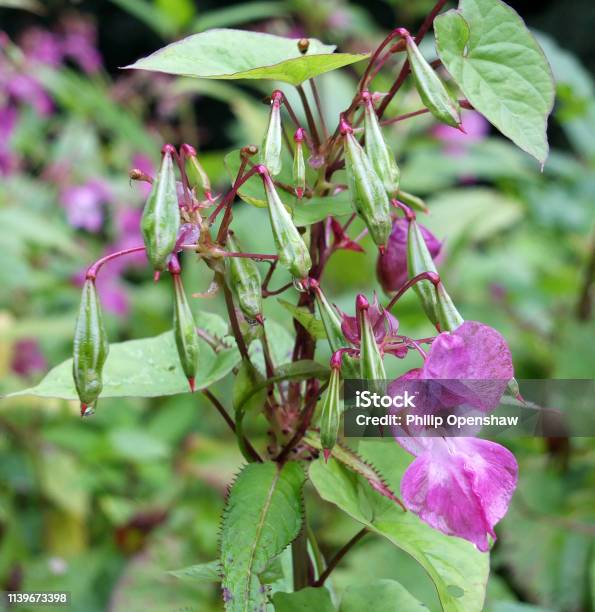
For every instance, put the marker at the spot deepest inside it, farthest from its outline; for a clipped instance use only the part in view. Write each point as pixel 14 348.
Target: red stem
pixel 429 276
pixel 423 30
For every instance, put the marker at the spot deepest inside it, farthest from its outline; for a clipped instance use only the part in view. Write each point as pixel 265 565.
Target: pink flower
pixel 78 43
pixel 383 323
pixel 391 268
pixel 455 141
pixel 84 203
pixel 385 327
pixel 42 46
pixel 28 358
pixel 460 486
pixel 25 88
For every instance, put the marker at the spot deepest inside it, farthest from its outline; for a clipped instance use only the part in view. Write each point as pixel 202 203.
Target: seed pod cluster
pixel 367 190
pixel 291 248
pixel 91 348
pixel 244 281
pixel 161 216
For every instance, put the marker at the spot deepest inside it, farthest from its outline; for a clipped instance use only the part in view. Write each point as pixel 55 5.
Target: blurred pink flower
pixel 28 358
pixel 25 88
pixel 42 46
pixel 110 288
pixel 83 204
pixel 127 222
pixel 455 141
pixel 8 119
pixel 79 43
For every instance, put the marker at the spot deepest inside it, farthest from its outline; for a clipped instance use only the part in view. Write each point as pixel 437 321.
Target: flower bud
pixel 243 279
pixel 330 416
pixel 299 166
pixel 413 201
pixel 369 197
pixel 391 267
pixel 449 317
pixel 332 328
pixel 381 157
pixel 91 347
pixel 371 366
pixel 291 248
pixel 419 259
pixel 432 91
pixel 271 146
pixel 197 176
pixel 161 216
pixel 184 328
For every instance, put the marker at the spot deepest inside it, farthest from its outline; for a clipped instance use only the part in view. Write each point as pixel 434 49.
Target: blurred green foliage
pixel 106 506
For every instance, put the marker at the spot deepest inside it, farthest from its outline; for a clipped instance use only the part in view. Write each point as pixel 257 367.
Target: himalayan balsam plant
pixel 313 180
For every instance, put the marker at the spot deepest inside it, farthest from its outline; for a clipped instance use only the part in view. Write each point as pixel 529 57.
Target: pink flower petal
pixel 460 486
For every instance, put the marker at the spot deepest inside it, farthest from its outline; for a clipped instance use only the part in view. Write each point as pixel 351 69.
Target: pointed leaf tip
pixel 326 453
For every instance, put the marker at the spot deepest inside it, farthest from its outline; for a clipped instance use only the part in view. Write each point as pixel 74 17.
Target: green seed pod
pixel 291 248
pixel 371 366
pixel 420 260
pixel 161 216
pixel 332 327
pixel 91 347
pixel 369 196
pixel 243 279
pixel 299 166
pixel 414 202
pixel 184 328
pixel 383 161
pixel 197 176
pixel 431 90
pixel 271 146
pixel 330 416
pixel 449 317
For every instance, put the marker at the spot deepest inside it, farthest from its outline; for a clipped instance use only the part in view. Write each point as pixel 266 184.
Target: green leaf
pixel 239 54
pixel 456 567
pixel 263 515
pixel 305 212
pixel 500 68
pixel 203 572
pixel 142 368
pixel 308 320
pixel 306 600
pixel 62 481
pixel 150 14
pixel 239 13
pixel 380 596
pixel 477 213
